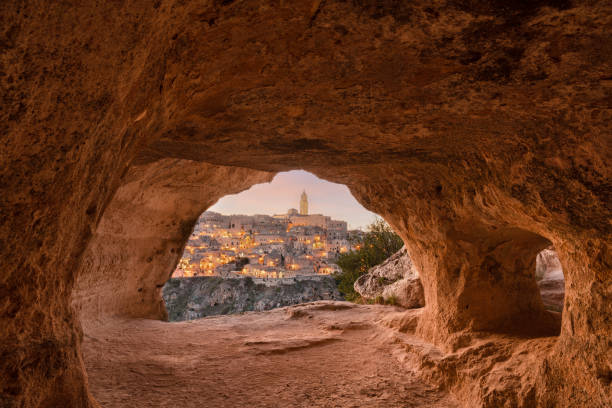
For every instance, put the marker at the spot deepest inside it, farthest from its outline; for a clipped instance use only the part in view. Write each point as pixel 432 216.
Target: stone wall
pixel 142 234
pixel 478 129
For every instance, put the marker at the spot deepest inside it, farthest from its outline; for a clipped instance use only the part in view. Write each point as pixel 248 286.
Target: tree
pixel 378 244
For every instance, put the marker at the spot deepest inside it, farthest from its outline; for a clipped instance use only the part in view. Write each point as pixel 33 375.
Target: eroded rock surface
pixel 322 354
pixel 478 129
pixel 193 298
pixel 477 373
pixel 395 280
pixel 142 234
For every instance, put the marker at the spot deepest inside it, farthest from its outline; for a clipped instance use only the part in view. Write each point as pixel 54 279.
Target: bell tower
pixel 304 204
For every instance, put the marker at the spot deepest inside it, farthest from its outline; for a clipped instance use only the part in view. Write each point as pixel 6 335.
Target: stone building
pixel 304 203
pixel 296 242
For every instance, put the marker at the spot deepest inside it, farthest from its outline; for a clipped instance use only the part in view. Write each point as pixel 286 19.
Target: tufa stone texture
pixel 142 234
pixel 480 130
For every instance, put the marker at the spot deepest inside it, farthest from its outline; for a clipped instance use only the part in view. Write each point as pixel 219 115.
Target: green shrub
pixel 378 244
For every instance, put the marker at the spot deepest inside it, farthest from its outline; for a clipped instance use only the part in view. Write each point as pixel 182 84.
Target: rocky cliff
pixel 192 298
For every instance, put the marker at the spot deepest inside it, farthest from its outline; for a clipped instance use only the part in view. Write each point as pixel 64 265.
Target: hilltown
pixel 263 246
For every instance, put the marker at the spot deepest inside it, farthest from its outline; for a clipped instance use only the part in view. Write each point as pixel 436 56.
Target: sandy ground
pixel 323 354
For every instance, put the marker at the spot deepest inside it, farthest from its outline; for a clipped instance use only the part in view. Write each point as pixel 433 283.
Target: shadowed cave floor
pixel 322 354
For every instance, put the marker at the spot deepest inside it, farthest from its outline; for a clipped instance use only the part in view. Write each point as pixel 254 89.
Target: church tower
pixel 304 204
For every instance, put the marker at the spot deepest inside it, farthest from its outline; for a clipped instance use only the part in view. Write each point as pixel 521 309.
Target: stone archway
pixel 448 119
pixel 143 231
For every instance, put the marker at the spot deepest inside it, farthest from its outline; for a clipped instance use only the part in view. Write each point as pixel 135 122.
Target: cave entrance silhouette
pixel 470 126
pixel 153 214
pixel 487 269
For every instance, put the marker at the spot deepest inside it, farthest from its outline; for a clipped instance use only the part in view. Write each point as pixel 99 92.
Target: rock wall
pixel 193 298
pixel 478 129
pixel 142 234
pixel 394 280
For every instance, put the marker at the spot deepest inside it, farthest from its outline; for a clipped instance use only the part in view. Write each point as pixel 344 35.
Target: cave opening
pixel 123 122
pixel 487 269
pixel 551 280
pixel 255 250
pixel 496 273
pixel 123 313
pixel 155 216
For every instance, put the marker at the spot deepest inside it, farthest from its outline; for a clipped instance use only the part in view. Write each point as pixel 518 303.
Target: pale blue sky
pixel 283 192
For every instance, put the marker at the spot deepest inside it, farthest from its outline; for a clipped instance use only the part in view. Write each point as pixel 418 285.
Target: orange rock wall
pixel 143 232
pixel 479 130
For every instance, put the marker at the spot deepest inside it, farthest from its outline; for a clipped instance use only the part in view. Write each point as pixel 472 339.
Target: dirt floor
pixel 322 354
